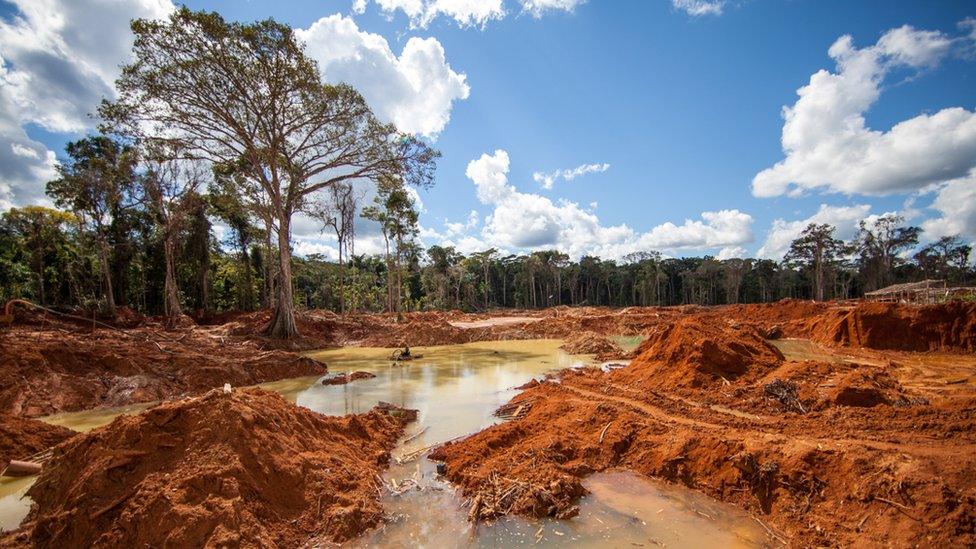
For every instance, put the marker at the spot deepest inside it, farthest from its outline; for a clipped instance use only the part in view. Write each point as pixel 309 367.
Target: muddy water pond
pixel 456 389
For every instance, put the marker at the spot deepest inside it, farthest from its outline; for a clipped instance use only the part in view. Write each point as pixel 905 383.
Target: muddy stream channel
pixel 456 389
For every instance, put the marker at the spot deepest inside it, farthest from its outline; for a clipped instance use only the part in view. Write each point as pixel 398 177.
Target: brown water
pixel 456 389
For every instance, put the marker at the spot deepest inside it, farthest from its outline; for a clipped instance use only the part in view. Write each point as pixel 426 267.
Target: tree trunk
pixel 282 324
pixel 389 275
pixel 247 296
pixel 342 285
pixel 818 277
pixel 107 275
pixel 171 297
pixel 268 297
pixel 39 268
pixel 399 277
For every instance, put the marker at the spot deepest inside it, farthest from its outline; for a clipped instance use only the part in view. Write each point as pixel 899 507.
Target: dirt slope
pixel 947 326
pixel 589 343
pixel 63 368
pixel 245 469
pixel 21 437
pixel 825 453
pixel 698 351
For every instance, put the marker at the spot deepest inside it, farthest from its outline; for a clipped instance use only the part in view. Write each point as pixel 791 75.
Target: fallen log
pixel 17 468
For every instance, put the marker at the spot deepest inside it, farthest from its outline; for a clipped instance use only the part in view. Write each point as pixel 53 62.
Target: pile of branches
pixel 500 495
pixel 785 393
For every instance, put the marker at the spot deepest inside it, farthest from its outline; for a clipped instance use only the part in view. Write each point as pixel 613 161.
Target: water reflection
pixel 13 505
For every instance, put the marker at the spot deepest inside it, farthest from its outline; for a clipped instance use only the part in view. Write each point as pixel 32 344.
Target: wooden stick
pixel 904 510
pixel 415 435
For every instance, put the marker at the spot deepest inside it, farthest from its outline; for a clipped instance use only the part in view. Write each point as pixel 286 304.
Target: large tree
pixel 815 249
pixel 881 243
pixel 946 258
pixel 170 183
pixel 393 208
pixel 96 182
pixel 236 92
pixel 337 208
pixel 42 231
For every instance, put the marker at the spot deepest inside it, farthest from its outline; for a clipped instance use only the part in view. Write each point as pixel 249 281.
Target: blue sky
pixel 685 109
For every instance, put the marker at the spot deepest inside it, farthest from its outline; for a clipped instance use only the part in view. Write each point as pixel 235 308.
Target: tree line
pixel 55 257
pixel 227 122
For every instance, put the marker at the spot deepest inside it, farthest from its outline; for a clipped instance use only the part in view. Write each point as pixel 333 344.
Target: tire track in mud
pixel 663 416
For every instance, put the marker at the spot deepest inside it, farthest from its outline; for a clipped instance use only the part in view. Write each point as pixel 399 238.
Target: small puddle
pixel 456 389
pixel 628 342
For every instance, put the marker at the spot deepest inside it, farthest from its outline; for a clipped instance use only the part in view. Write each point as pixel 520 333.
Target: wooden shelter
pixel 925 291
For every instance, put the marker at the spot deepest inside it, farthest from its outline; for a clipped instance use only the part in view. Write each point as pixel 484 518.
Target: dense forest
pixel 52 257
pixel 229 123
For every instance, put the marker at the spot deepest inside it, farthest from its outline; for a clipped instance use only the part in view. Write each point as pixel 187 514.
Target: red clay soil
pixel 699 351
pixel 61 367
pixel 589 343
pixel 21 437
pixel 246 469
pixel 415 329
pixel 947 326
pixel 866 463
pixel 826 479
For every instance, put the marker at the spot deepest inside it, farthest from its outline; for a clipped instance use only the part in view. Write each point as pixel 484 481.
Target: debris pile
pixel 785 393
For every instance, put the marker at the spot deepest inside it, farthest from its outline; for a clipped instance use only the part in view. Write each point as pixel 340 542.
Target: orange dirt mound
pixel 21 437
pixel 947 326
pixel 866 387
pixel 845 476
pixel 695 351
pixel 50 371
pixel 588 343
pixel 220 470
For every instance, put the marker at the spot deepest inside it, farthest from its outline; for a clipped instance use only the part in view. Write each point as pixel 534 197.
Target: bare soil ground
pixel 22 437
pixel 245 469
pixel 833 424
pixel 52 366
pixel 859 446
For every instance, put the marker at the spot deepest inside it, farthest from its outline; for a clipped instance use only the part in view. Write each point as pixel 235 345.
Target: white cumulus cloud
pixel 57 61
pixel 467 13
pixel 829 147
pixel 548 179
pixel 529 221
pixel 783 232
pixel 956 204
pixel 415 90
pixel 538 8
pixel 731 252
